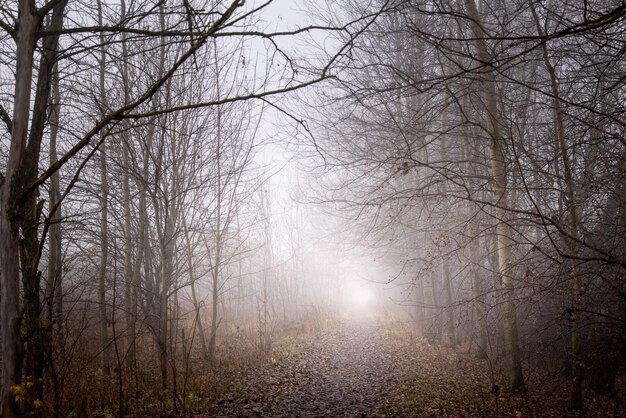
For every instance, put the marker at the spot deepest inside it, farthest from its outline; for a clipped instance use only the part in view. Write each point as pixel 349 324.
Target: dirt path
pixel 345 372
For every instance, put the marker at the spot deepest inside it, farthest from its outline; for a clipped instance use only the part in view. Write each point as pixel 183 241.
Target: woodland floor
pixel 364 368
pixel 347 371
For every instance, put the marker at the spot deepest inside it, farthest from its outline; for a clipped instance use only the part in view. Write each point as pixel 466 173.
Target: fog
pixel 195 190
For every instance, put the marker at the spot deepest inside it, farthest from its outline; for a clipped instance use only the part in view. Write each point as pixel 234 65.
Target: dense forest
pixel 190 187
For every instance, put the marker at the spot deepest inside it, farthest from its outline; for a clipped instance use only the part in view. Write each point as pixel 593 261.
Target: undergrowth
pixel 449 382
pixel 198 384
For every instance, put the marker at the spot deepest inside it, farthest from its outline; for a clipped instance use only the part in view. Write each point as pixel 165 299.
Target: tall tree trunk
pixel 215 271
pixel 141 253
pixel 30 214
pixel 20 211
pixel 105 355
pixel 169 219
pixel 10 194
pixel 54 289
pixel 214 317
pixel 165 273
pixel 576 397
pixel 498 171
pixel 144 254
pixel 130 285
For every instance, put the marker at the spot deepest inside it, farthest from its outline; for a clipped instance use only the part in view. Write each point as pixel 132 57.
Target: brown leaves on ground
pixel 449 382
pixel 368 369
pixel 346 371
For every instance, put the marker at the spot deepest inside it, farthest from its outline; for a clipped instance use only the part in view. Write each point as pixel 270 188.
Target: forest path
pixel 347 371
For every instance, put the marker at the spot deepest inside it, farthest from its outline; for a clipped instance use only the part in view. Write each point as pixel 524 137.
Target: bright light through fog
pixel 359 296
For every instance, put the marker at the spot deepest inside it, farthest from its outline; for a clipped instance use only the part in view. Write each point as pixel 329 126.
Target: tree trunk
pixel 105 355
pixel 477 292
pixel 200 325
pixel 194 297
pixel 166 273
pixel 214 319
pixel 54 289
pixel 436 333
pixel 498 171
pixel 450 338
pixel 105 359
pixel 10 193
pixel 30 214
pixel 20 210
pixel 215 271
pixel 130 285
pixel 576 397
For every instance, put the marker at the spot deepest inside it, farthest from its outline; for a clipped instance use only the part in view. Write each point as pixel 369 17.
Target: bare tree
pixel 499 173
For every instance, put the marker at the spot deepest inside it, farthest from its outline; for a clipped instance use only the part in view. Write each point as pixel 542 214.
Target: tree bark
pixel 30 214
pixel 10 193
pixel 54 289
pixel 130 285
pixel 219 228
pixel 20 212
pixel 477 292
pixel 105 355
pixel 498 171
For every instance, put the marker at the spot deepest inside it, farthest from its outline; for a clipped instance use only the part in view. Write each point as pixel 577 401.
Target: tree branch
pixel 4 115
pixel 121 112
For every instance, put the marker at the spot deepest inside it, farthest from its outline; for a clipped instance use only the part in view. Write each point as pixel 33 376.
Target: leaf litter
pixel 346 371
pixel 367 368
